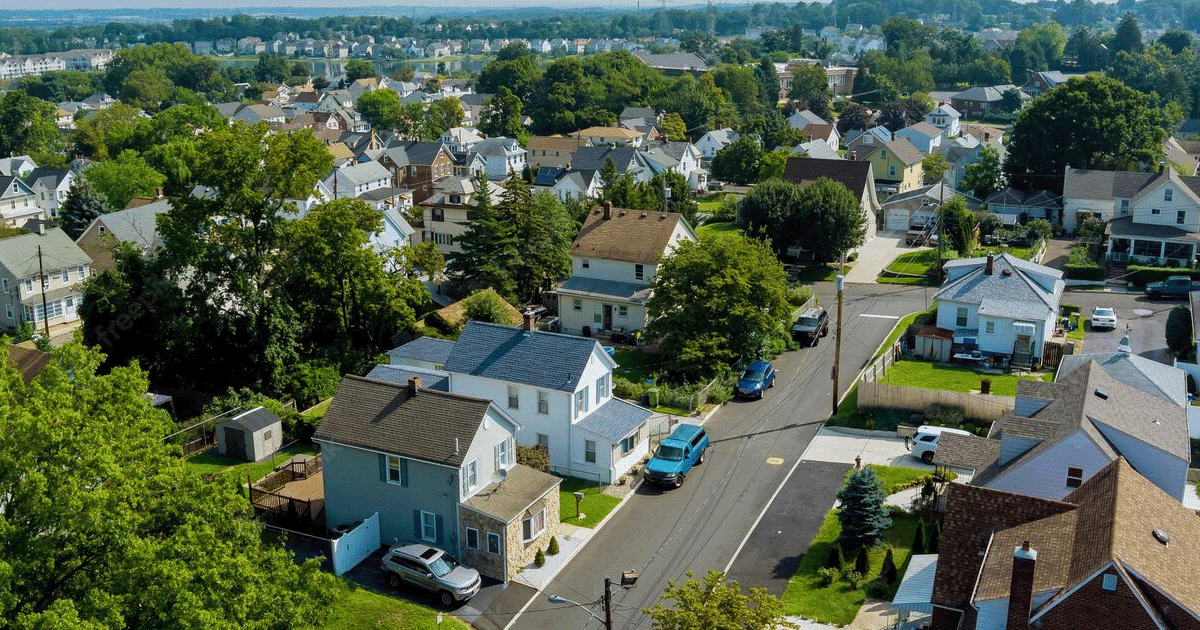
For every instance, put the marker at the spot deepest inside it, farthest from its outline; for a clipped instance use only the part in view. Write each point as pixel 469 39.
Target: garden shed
pixel 251 436
pixel 934 343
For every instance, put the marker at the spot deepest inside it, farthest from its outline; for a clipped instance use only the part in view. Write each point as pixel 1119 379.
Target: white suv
pixel 430 569
pixel 926 441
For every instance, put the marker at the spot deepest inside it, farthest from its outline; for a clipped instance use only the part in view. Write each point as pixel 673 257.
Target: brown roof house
pixel 28 361
pixel 553 151
pixel 613 261
pixel 439 468
pixel 1102 408
pixel 856 175
pixel 1114 553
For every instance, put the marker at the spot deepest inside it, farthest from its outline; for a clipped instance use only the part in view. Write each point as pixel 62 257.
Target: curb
pixel 860 432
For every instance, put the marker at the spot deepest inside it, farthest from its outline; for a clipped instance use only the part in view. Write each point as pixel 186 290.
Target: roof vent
pixel 1162 537
pixel 1006 272
pixel 1101 394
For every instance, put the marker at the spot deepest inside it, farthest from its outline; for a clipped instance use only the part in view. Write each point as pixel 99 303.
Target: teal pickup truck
pixel 676 455
pixel 1172 287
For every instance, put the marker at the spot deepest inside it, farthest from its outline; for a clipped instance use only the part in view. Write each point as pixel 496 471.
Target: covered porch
pixel 1132 243
pixel 913 600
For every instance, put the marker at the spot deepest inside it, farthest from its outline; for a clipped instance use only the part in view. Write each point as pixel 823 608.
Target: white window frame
pixel 990 327
pixel 598 314
pixel 4 284
pixel 961 317
pixel 581 401
pixel 514 397
pixel 533 526
pixel 472 530
pixel 393 466
pixel 66 274
pixel 629 443
pixel 543 440
pixel 543 402
pixel 471 476
pixel 1168 193
pixel 1180 217
pixel 428 520
pixel 623 311
pixel 8 312
pixel 29 284
pixel 493 540
pixel 502 454
pixel 601 388
pixel 589 451
pixel 577 304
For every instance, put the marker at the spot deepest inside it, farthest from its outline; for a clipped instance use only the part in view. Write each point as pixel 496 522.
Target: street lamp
pixel 555 599
pixel 607 618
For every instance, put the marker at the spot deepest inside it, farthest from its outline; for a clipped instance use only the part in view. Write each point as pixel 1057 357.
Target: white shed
pixel 252 435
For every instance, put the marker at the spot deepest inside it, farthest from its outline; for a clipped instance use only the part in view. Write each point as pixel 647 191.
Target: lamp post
pixel 606 619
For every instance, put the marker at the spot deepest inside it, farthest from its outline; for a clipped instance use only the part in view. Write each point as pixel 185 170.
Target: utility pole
pixel 607 604
pixel 45 311
pixel 837 339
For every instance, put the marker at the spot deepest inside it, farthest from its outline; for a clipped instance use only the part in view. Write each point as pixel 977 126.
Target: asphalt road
pixel 665 533
pixel 1147 320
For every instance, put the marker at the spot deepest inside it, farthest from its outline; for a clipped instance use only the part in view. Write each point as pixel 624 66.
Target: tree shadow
pixel 785 568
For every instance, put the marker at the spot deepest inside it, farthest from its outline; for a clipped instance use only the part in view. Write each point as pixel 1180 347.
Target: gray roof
pixel 988 94
pixel 1125 226
pixel 924 129
pixel 592 158
pixel 429 349
pixel 509 499
pixel 818 149
pixel 423 153
pixel 1105 185
pixel 595 287
pixel 615 419
pixel 723 136
pixel 674 61
pixel 19 254
pixel 1152 377
pixel 638 112
pixel 254 420
pixel 135 225
pixel 432 426
pixel 541 359
pixel 364 172
pixel 1016 295
pixel 497 146
pixel 933 193
pixel 808 117
pixel 48 177
pixel 399 374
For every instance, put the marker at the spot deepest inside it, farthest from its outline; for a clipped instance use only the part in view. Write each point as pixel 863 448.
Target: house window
pixel 1155 211
pixel 1180 217
pixel 470 477
pixel 1110 582
pixel 1178 251
pixel 29 285
pixel 628 444
pixel 601 388
pixel 66 271
pixel 581 400
pixel 437 214
pixel 598 314
pixel 1124 206
pixel 1149 249
pixel 503 454
pixel 533 525
pixel 990 327
pixel 891 170
pixel 472 538
pixel 543 441
pixel 494 543
pixel 587 264
pixel 577 304
pixel 1074 477
pixel 589 451
pixel 396 468
pixel 961 319
pixel 543 402
pixel 513 398
pixel 622 311
pixel 883 153
pixel 639 272
pixel 8 312
pixel 429 526
pixel 266 434
pixel 4 284
pixel 1168 193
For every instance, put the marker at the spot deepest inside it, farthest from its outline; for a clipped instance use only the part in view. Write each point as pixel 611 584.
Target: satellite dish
pixel 499 475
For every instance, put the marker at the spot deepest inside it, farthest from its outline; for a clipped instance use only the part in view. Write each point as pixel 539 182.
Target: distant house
pixel 1015 206
pixel 924 136
pixel 18 202
pixel 674 64
pixel 424 352
pixel 553 151
pixel 919 206
pixel 34 290
pixel 445 211
pixel 856 175
pixel 714 141
pixel 416 165
pixel 51 187
pixel 501 157
pixel 824 132
pixel 816 149
pixel 977 102
pixel 254 114
pixel 860 143
pixel 28 361
pixel 614 136
pixel 626 159
pixel 137 225
pixel 352 181
pixel 898 167
pixel 1040 82
pixel 460 139
pixel 803 118
pixel 614 259
pixel 946 118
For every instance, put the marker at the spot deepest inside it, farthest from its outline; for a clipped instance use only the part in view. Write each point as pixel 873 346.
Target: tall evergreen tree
pixel 863 516
pixel 768 78
pixel 489 247
pixel 1127 37
pixel 918 546
pixel 83 204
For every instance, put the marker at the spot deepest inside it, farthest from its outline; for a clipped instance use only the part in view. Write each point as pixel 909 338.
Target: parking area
pixel 842 446
pixel 876 255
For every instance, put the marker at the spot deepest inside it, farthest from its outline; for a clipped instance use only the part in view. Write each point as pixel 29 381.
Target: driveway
pixel 1147 320
pixel 876 255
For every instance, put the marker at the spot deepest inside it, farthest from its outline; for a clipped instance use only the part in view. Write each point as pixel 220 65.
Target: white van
pixel 926 440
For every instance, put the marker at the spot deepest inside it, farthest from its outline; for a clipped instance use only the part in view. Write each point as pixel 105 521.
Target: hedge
pixel 1084 272
pixel 1141 275
pixel 1069 309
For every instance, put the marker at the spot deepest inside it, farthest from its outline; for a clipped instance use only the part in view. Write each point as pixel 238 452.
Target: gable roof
pixel 609 132
pixel 19 254
pixel 456 314
pixel 364 172
pixel 399 374
pixel 430 349
pixel 673 61
pixel 903 149
pixel 923 128
pixel 29 361
pixel 385 418
pixel 817 149
pixel 635 236
pixel 1081 183
pixel 137 224
pixel 592 158
pixel 541 359
pixel 254 420
pixel 1157 379
pixel 946 109
pixel 1011 290
pixel 554 143
pixel 853 174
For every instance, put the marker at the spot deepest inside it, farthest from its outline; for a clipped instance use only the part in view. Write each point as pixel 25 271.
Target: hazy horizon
pixel 452 5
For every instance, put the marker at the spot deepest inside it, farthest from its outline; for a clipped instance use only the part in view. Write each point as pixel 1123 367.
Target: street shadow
pixel 793 425
pixel 785 568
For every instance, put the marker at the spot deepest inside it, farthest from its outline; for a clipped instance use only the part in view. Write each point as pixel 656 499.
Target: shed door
pixel 235 444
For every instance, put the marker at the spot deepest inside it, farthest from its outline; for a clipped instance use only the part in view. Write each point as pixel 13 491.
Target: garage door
pixel 896 219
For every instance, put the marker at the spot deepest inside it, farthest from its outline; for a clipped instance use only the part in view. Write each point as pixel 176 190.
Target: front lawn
pixel 897 478
pixel 357 608
pixel 209 462
pixel 910 280
pixel 838 604
pixel 927 375
pixel 914 263
pixel 816 273
pixel 595 505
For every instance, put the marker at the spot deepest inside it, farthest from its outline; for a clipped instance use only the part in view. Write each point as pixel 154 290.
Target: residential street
pixel 1147 319
pixel 663 534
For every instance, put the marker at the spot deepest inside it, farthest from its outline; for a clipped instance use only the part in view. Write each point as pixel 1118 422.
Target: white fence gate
pixel 355 545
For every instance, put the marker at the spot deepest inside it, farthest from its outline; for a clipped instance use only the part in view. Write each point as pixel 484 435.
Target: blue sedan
pixel 756 379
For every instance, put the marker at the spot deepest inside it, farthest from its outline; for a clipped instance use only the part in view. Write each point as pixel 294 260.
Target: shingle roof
pixel 600 288
pixel 399 374
pixel 364 172
pixel 638 112
pixel 818 149
pixel 1125 226
pixel 608 132
pixel 615 419
pixel 904 150
pixel 254 420
pixel 136 224
pixel 592 158
pixel 1015 295
pixel 385 418
pixel 1152 377
pixel 853 174
pixel 509 499
pixel 966 451
pixel 1103 185
pixel 19 254
pixel 629 235
pixel 554 143
pixel 541 359
pixel 674 61
pixel 29 361
pixel 429 349
pixel 924 129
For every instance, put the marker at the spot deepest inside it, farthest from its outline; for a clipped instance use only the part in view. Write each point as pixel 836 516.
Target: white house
pixel 18 202
pixel 445 211
pixel 33 292
pixel 501 156
pixel 352 181
pixel 613 261
pixel 460 139
pixel 1000 305
pixel 714 141
pixel 946 118
pixel 926 137
pixel 51 187
pixel 559 389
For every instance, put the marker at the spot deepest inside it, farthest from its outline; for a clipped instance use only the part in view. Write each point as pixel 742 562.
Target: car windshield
pixel 443 565
pixel 753 375
pixel 1104 312
pixel 808 321
pixel 669 453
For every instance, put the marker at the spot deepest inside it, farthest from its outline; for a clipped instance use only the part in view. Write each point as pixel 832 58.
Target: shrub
pixel 918 546
pixel 887 572
pixel 1140 275
pixel 944 415
pixel 1069 309
pixel 835 557
pixel 486 306
pixel 798 294
pixel 1092 271
pixel 862 564
pixel 1179 329
pixel 552 548
pixel 853 578
pixel 535 457
pixel 540 559
pixel 852 257
pixel 627 389
pixel 826 576
pixel 935 532
pixel 877 589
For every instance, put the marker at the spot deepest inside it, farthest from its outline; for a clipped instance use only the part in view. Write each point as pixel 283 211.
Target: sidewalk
pixel 833 444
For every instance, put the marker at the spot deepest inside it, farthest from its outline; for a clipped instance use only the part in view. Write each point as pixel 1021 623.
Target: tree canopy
pixel 714 602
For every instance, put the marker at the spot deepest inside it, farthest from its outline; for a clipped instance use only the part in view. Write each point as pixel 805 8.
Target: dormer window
pixel 1168 193
pixel 1124 206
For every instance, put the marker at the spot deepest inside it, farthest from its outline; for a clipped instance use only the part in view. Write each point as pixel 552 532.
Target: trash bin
pixel 985 386
pixel 587 331
pixel 652 397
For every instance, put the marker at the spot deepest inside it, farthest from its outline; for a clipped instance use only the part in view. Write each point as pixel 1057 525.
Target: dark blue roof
pixel 548 176
pixel 429 349
pixel 615 419
pixel 430 379
pixel 541 359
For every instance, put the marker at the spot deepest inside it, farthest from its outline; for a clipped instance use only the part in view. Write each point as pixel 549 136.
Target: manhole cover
pixel 1143 312
pixel 775 461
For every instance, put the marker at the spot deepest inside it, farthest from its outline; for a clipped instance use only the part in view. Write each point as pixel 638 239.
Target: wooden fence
pixel 290 471
pixel 292 511
pixel 872 395
pixel 876 370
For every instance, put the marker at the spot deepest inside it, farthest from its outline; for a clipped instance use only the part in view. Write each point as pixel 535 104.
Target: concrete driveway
pixel 876 255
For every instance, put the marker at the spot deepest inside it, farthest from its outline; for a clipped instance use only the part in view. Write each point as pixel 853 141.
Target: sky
pixel 260 5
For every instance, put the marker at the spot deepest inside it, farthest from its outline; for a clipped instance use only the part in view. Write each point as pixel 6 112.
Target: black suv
pixel 811 325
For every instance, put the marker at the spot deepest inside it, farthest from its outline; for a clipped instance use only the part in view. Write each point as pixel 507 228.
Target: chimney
pixel 987 137
pixel 158 193
pixel 991 265
pixel 854 156
pixel 1162 165
pixel 529 319
pixel 1020 591
pixel 607 210
pixel 414 383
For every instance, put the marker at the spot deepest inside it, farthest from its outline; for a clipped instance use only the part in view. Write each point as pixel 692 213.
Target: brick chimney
pixel 1020 591
pixel 854 156
pixel 414 383
pixel 607 210
pixel 991 265
pixel 529 319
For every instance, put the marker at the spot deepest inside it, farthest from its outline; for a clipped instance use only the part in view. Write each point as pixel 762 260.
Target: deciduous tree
pixel 124 178
pixel 739 162
pixel 832 218
pixel 984 177
pixel 27 125
pixel 501 115
pixel 714 602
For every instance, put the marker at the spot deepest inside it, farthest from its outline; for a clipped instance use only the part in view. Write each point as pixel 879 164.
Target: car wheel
pixel 927 457
pixel 1155 295
pixel 825 331
pixel 700 460
pixel 816 340
pixel 445 599
pixel 394 580
pixel 678 481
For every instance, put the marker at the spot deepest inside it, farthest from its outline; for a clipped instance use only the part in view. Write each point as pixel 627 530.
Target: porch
pixel 1132 243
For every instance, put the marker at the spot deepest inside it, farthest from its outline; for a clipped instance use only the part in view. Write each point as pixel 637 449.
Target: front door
pixel 608 317
pixel 1024 344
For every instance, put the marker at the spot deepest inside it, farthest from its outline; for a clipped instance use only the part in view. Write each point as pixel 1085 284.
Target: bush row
pixel 1141 275
pixel 1084 272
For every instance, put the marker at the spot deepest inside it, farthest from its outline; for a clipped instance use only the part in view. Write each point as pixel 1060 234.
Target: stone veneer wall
pixel 521 554
pixel 489 564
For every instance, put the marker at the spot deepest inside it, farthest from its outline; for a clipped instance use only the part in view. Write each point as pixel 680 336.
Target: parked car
pixel 755 380
pixel 1104 317
pixel 925 442
pixel 811 325
pixel 1172 287
pixel 676 455
pixel 432 570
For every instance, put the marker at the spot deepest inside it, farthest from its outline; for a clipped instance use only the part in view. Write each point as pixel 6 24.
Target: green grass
pixel 710 203
pixel 1082 324
pixel 318 412
pixel 838 604
pixel 817 273
pixel 915 263
pixel 904 280
pixel 850 402
pixel 636 365
pixel 356 608
pixel 723 229
pixel 595 505
pixel 902 325
pixel 210 463
pixel 896 478
pixel 926 375
pixel 671 411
